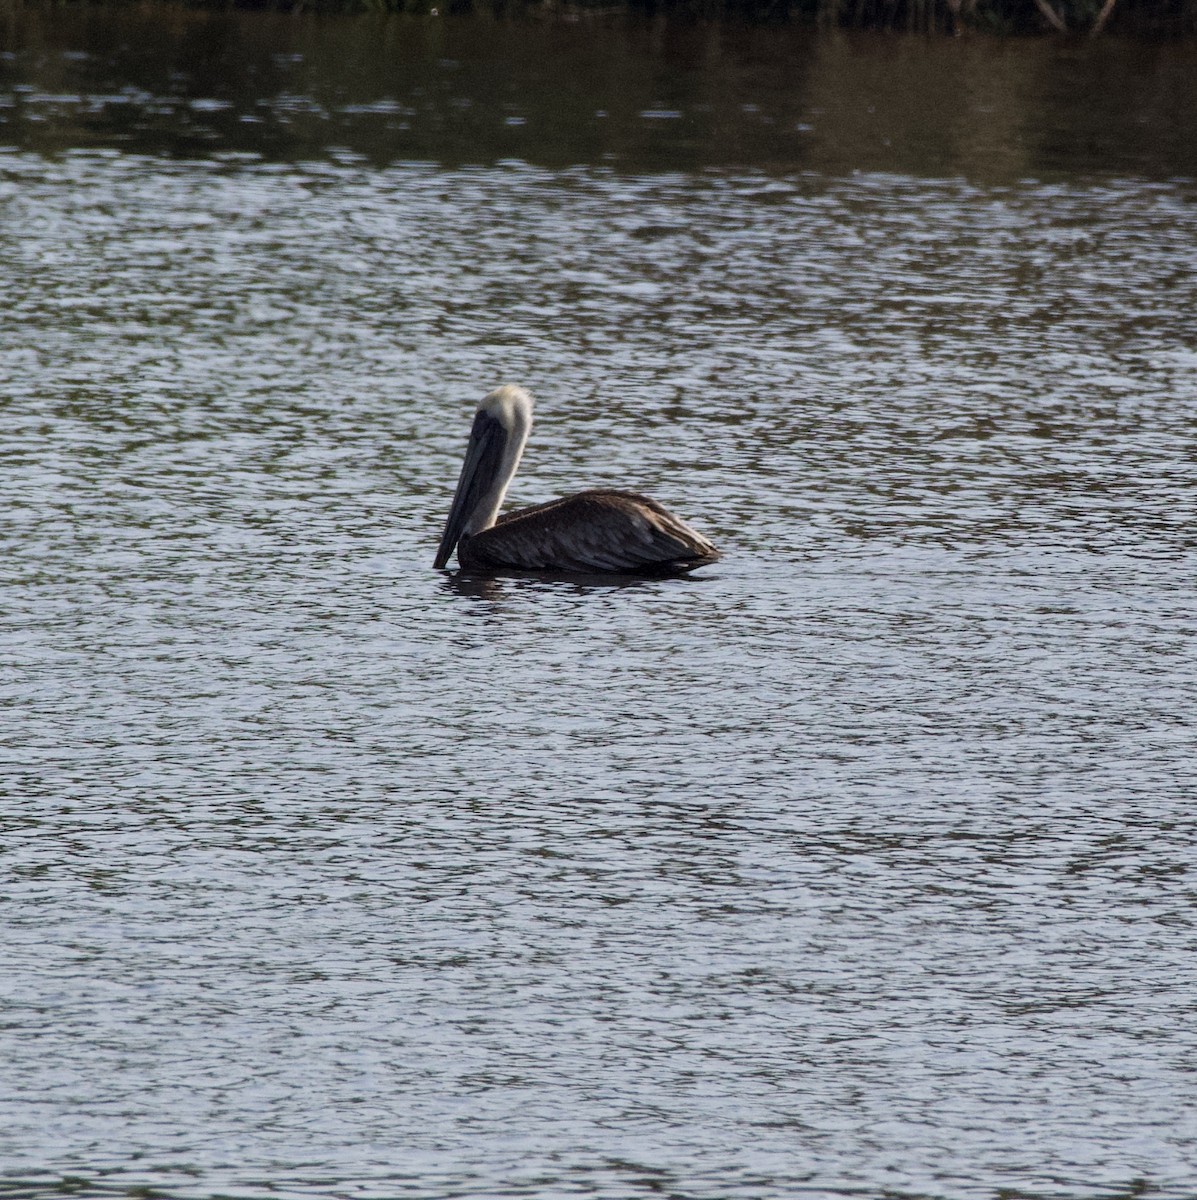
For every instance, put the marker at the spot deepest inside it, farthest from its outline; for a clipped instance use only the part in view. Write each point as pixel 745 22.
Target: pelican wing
pixel 594 531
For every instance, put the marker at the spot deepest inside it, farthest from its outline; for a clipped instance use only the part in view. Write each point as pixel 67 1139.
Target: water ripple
pixel 862 864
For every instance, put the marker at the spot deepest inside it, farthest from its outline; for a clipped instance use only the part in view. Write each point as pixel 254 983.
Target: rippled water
pixel 859 864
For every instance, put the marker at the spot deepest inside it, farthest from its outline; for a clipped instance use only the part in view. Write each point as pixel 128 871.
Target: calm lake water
pixel 860 864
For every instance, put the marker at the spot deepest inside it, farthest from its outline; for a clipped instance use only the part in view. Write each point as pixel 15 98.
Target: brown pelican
pixel 601 530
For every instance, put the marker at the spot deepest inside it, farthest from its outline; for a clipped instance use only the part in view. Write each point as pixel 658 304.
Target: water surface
pixel 860 863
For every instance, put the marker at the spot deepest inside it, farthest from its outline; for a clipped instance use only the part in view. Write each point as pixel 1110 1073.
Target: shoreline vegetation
pixel 1060 18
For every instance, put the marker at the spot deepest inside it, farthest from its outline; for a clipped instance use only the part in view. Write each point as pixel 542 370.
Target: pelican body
pixel 601 531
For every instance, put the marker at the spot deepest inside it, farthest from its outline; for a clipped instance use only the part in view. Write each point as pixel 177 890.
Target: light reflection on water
pixel 860 861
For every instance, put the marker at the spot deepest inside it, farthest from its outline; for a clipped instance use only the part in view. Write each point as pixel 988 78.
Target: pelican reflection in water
pixel 596 531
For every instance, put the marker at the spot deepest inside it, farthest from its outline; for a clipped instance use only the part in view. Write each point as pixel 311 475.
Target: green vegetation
pixel 1067 17
pixel 1070 18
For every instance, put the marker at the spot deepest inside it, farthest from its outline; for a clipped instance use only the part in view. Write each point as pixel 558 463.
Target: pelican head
pixel 501 427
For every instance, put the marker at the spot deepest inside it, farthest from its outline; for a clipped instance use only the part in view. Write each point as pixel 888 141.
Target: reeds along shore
pixel 1069 18
pixel 1079 18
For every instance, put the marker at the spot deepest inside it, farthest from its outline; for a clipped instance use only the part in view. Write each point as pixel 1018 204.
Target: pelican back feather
pixel 602 530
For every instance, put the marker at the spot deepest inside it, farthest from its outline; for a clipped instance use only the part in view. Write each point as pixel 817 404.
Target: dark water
pixel 860 865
